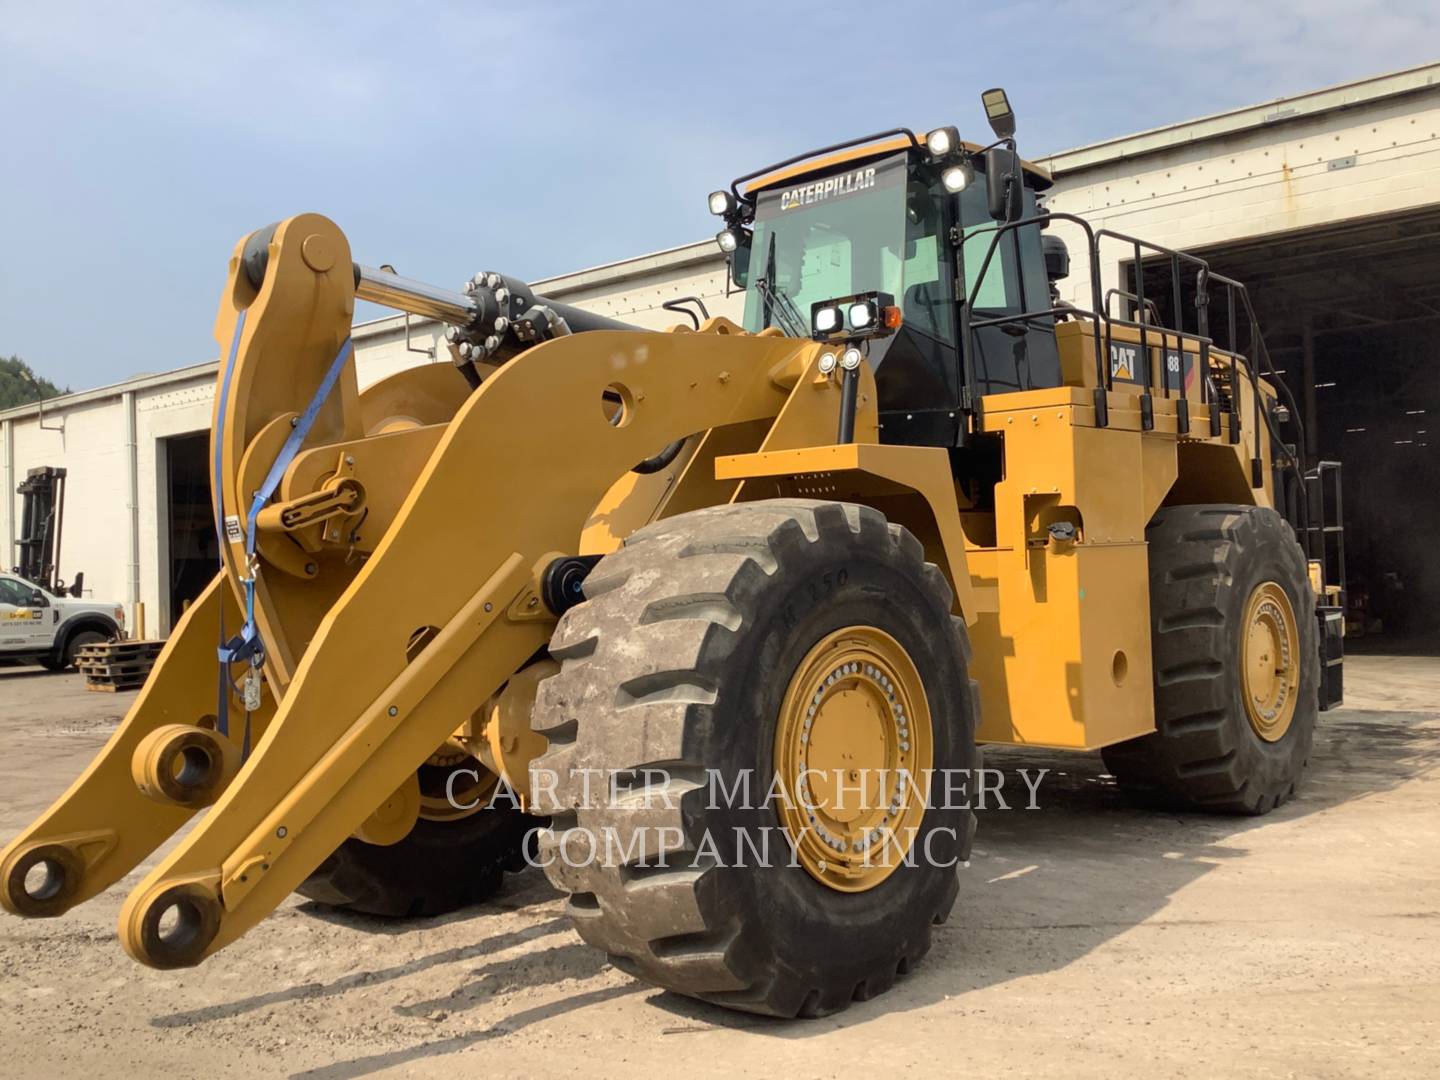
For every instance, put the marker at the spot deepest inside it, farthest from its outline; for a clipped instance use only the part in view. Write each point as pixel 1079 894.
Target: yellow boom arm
pixel 396 580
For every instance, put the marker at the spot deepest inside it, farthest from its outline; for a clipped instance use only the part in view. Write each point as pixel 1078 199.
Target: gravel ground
pixel 1090 939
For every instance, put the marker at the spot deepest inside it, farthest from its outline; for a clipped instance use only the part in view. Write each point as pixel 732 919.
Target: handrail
pixel 1241 365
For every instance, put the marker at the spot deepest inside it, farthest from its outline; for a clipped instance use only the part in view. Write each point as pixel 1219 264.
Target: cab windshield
pixel 826 237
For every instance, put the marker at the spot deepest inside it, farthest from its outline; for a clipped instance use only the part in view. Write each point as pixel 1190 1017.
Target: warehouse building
pixel 1326 204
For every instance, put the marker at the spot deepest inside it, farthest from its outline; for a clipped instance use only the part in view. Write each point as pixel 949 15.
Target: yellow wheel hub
pixel 853 750
pixel 471 795
pixel 1270 661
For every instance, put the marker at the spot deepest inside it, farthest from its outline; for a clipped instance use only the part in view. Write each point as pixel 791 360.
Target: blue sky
pixel 142 140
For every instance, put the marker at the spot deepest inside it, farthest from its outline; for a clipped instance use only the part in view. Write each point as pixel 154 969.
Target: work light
pixel 957 178
pixel 826 363
pixel 850 358
pixel 826 319
pixel 722 203
pixel 728 240
pixel 998 112
pixel 849 318
pixel 942 142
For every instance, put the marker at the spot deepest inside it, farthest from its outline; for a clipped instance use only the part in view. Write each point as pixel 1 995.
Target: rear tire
pixel 439 867
pixel 1208 567
pixel 679 662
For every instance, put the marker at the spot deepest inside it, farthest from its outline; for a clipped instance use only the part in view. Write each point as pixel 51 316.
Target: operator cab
pixel 900 219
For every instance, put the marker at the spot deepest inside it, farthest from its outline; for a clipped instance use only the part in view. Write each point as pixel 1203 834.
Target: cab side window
pixel 1000 290
pixel 12 592
pixel 927 303
pixel 1022 354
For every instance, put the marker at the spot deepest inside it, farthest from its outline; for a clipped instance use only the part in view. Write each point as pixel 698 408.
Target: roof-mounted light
pixel 998 112
pixel 942 142
pixel 722 203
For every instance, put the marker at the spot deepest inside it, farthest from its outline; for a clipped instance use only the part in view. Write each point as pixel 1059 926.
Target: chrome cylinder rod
pixel 416 297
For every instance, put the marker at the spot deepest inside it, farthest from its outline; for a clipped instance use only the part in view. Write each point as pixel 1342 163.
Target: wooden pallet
pixel 117 665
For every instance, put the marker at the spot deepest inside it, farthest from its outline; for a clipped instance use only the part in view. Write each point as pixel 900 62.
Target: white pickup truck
pixel 38 626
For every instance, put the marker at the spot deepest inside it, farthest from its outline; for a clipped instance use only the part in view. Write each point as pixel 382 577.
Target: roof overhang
pixel 1252 117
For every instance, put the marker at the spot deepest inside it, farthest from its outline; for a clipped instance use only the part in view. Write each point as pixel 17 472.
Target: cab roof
pixel 1039 177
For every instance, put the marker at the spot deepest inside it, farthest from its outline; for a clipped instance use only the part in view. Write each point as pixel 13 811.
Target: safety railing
pixel 1144 318
pixel 1325 536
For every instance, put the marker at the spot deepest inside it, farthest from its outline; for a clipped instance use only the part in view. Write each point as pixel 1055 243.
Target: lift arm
pixel 463 518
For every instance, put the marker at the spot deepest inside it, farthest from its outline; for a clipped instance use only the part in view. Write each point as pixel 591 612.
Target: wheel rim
pixel 1270 661
pixel 853 750
pixel 472 794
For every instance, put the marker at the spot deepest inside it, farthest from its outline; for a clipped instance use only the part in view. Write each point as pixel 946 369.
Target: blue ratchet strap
pixel 222 708
pixel 247 645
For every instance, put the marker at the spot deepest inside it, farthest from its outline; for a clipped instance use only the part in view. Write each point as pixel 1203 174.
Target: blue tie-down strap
pixel 298 433
pixel 247 644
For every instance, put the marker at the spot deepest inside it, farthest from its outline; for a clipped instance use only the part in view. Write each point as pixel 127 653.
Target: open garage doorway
pixel 188 555
pixel 1351 315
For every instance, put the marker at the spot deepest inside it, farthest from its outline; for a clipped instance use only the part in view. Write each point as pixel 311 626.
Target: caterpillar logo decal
pixel 1125 367
pixel 820 190
pixel 1124 362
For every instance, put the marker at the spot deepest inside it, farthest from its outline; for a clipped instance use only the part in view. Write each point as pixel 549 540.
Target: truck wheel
pixel 448 861
pixel 800 646
pixel 1237 664
pixel 65 659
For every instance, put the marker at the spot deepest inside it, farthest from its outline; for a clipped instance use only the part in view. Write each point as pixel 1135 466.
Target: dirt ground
pixel 1090 939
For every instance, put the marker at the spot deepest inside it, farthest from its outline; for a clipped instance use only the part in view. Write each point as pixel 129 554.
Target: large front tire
pixel 678 673
pixel 1237 664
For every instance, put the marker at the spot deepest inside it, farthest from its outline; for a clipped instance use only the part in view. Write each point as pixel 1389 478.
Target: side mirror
pixel 740 261
pixel 1057 257
pixel 38 599
pixel 1004 187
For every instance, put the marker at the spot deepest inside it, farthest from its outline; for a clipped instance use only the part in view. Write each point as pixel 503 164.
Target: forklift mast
pixel 42 518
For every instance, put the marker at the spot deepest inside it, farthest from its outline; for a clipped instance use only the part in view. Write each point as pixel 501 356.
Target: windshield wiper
pixel 782 308
pixel 776 302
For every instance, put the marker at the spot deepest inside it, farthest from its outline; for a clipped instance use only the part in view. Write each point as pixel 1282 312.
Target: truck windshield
pixel 823 238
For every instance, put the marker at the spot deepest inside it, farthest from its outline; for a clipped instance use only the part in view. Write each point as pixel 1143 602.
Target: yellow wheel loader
pixel 710 622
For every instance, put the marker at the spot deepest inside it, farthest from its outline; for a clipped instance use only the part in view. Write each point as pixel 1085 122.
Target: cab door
pixel 1020 355
pixel 24 625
